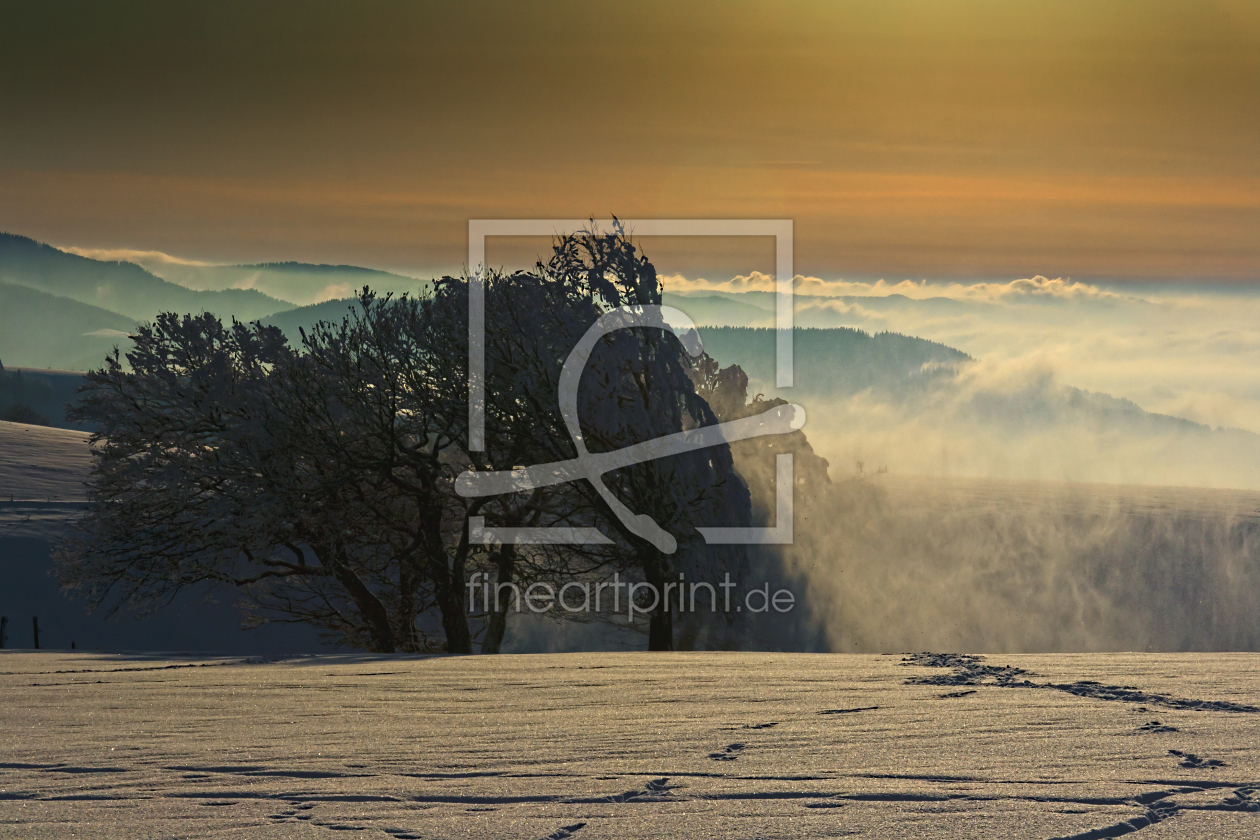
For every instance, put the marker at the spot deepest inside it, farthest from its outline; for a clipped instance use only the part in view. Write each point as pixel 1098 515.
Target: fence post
pixel 35 626
pixel 4 625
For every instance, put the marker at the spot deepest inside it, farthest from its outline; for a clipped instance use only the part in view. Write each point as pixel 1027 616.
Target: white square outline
pixel 784 321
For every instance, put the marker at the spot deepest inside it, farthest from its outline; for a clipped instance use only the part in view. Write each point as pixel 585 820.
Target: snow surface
pixel 43 470
pixel 42 474
pixel 40 463
pixel 630 745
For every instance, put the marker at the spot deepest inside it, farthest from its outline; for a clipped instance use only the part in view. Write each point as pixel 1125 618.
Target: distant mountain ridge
pixel 315 268
pixel 888 361
pixel 301 284
pixel 41 330
pixel 121 287
pixel 292 321
pixel 715 307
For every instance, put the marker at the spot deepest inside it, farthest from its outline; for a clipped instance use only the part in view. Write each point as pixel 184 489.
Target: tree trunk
pixel 661 624
pixel 661 630
pixel 450 600
pixel 408 584
pixel 496 627
pixel 370 607
pixel 448 583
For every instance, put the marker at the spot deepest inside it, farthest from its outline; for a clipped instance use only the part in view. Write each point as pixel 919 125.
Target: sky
pixel 1100 141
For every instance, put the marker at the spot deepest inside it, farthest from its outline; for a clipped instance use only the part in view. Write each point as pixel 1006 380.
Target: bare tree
pixel 195 480
pixel 319 481
pixel 637 387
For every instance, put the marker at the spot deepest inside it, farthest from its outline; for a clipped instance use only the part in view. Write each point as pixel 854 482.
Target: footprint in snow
pixel 1194 762
pixel 729 753
pixel 565 832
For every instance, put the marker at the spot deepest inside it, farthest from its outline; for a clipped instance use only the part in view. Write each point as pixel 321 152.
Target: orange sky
pixel 906 139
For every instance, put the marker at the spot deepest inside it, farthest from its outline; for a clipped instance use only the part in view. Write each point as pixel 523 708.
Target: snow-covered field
pixel 42 471
pixel 39 463
pixel 630 745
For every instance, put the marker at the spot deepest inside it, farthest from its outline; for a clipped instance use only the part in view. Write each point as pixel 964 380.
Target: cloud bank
pixel 756 281
pixel 1178 350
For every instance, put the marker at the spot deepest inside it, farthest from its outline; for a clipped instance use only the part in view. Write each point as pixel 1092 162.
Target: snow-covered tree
pixel 635 388
pixel 319 480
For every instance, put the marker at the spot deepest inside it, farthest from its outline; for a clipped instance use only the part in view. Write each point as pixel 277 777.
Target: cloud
pixel 144 258
pixel 336 291
pixel 1177 350
pixel 1033 287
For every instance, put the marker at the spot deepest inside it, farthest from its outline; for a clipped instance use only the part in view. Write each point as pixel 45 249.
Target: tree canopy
pixel 318 479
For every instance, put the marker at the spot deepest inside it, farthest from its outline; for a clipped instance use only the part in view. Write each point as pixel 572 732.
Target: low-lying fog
pixel 1032 402
pixel 999 524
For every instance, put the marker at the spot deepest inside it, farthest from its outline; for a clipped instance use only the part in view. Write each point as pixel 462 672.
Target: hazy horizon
pixel 1179 349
